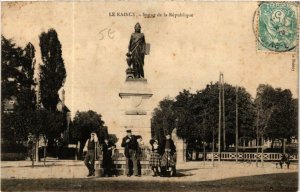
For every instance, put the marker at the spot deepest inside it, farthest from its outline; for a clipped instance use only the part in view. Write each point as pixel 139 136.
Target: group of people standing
pixel 92 149
pixel 162 158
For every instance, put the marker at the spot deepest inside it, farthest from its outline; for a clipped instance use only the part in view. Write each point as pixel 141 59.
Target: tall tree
pixel 16 126
pixel 196 115
pixel 17 69
pixel 245 107
pixel 10 63
pixel 184 117
pixel 246 114
pixel 50 124
pixel 27 96
pixel 294 130
pixel 163 120
pixel 277 113
pixel 53 72
pixel 85 122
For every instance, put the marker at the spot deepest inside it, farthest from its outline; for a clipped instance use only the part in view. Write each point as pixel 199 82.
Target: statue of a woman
pixel 136 52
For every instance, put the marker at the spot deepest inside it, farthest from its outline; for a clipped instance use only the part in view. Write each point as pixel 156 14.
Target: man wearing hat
pixel 91 149
pixel 131 146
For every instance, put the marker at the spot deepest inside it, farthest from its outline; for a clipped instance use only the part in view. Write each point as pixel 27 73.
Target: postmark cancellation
pixel 277 26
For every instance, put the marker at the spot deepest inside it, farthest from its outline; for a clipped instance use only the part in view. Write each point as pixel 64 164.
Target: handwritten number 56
pixel 106 32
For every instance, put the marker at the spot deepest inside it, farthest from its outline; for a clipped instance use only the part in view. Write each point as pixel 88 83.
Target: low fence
pixel 230 156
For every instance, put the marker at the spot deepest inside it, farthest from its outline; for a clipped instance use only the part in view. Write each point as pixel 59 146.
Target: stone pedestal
pixel 135 114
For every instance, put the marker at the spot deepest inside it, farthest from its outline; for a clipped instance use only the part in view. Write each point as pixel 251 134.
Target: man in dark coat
pixel 107 149
pixel 131 146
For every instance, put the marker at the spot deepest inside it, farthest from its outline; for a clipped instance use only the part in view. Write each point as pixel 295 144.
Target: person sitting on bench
pixel 285 158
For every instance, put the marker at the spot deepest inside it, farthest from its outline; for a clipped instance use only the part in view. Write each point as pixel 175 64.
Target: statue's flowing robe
pixel 137 46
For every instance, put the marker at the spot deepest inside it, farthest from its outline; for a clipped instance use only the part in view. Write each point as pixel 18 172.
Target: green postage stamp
pixel 277 26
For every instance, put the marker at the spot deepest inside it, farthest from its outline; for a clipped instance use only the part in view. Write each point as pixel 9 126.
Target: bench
pixel 119 167
pixel 119 163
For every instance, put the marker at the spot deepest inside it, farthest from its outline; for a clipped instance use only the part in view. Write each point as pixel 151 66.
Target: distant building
pixel 61 106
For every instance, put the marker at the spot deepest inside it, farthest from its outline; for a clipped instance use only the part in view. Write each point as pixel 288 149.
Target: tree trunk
pixel 257 137
pixel 213 148
pixel 272 144
pixel 37 151
pixel 223 114
pixel 283 145
pixel 32 155
pixel 219 128
pixel 45 144
pixel 44 155
pixel 262 151
pixel 236 126
pixel 204 153
pixel 256 161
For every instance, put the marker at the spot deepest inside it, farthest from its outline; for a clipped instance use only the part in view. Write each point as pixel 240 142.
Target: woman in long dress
pixel 168 160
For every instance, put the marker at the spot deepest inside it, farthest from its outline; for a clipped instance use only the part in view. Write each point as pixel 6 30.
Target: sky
pixel 185 53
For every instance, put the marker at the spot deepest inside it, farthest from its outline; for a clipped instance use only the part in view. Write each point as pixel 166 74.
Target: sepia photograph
pixel 149 96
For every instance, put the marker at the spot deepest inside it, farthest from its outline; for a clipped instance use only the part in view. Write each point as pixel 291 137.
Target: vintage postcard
pixel 149 96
